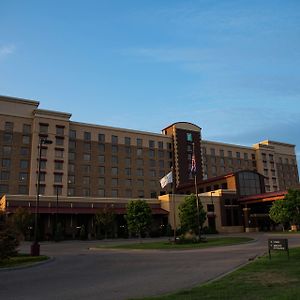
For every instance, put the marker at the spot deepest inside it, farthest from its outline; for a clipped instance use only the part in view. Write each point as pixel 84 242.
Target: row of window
pixel 114 139
pixel 9 127
pixel 222 161
pixel 229 153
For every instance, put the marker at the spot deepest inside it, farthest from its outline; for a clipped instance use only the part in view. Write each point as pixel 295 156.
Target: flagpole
pixel 197 197
pixel 174 206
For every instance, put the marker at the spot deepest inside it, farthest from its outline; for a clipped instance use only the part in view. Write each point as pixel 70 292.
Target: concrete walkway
pixel 79 273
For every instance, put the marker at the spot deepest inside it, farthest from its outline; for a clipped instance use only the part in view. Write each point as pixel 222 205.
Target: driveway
pixel 79 273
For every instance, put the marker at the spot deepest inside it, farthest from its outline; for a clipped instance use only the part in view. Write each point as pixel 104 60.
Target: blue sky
pixel 231 67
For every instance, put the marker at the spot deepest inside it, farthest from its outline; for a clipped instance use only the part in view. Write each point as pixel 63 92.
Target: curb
pixel 36 264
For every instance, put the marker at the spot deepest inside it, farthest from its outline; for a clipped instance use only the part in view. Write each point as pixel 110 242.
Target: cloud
pixel 6 50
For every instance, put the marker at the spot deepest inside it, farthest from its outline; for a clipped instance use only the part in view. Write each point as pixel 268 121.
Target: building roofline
pixel 228 144
pixel 276 143
pixel 182 122
pixel 19 100
pixel 52 113
pixel 120 129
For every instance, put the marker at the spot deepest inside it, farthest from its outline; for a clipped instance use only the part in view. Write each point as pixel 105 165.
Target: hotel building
pixel 92 164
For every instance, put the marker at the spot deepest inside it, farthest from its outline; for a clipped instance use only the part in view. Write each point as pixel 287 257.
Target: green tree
pixel 105 219
pixel 188 214
pixel 279 212
pixel 9 238
pixel 287 210
pixel 138 217
pixel 22 220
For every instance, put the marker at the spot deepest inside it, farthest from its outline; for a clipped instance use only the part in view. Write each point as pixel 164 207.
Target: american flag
pixel 193 167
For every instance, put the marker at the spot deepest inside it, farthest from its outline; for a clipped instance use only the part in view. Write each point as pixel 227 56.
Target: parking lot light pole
pixel 35 247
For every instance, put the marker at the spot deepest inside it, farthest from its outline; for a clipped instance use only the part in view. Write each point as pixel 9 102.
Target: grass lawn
pixel 21 260
pixel 278 278
pixel 211 242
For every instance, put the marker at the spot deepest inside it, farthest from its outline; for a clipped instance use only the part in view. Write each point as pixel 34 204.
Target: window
pixel 140 182
pixel 152 163
pixel 59 153
pixel 151 153
pixel 101 159
pixel 101 137
pixel 246 156
pixel 151 144
pixel 127 182
pixel 139 142
pixel 139 151
pixel 86 169
pixel 71 191
pixel 212 151
pixel 72 134
pixel 23 189
pixel 161 154
pixel 58 177
pixel 273 173
pixel 7 138
pixel 71 168
pixel 6 150
pixel 271 157
pixel 87 147
pixel 72 155
pixel 58 165
pixel 222 162
pixel 86 156
pixel 127 141
pixel 9 126
pixel 72 144
pixel 23 164
pixel 101 148
pixel 169 145
pixel 114 193
pixel 114 160
pixel 152 173
pixel 43 164
pixel 161 164
pixel 101 181
pixel 140 172
pixel 127 171
pixel 86 192
pixel 221 152
pixel 127 162
pixel 26 139
pixel 24 151
pixel 189 148
pixel 86 180
pixel 114 139
pixel 60 130
pixel 264 156
pixel 71 179
pixel 42 190
pixel 101 192
pixel 238 154
pixel 44 128
pixel 59 141
pixel 229 153
pixel 128 150
pixel 3 188
pixel 139 162
pixel 26 128
pixel 4 175
pixel 101 170
pixel 87 136
pixel 114 182
pixel 114 149
pixel 114 171
pixel 160 145
pixel 44 152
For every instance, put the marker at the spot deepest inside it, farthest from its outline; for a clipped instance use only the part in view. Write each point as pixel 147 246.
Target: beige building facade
pixel 88 160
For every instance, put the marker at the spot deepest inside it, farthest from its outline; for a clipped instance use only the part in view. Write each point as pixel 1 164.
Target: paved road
pixel 79 273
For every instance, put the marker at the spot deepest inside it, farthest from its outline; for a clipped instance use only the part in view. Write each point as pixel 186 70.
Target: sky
pixel 230 67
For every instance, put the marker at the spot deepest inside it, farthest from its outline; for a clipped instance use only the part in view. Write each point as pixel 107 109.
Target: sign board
pixel 278 244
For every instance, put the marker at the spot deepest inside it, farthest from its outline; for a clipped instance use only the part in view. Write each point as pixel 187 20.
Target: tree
pixel 22 220
pixel 279 212
pixel 9 238
pixel 138 217
pixel 105 219
pixel 287 210
pixel 188 214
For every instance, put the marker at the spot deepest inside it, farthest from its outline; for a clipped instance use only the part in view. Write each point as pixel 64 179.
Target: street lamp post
pixel 35 247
